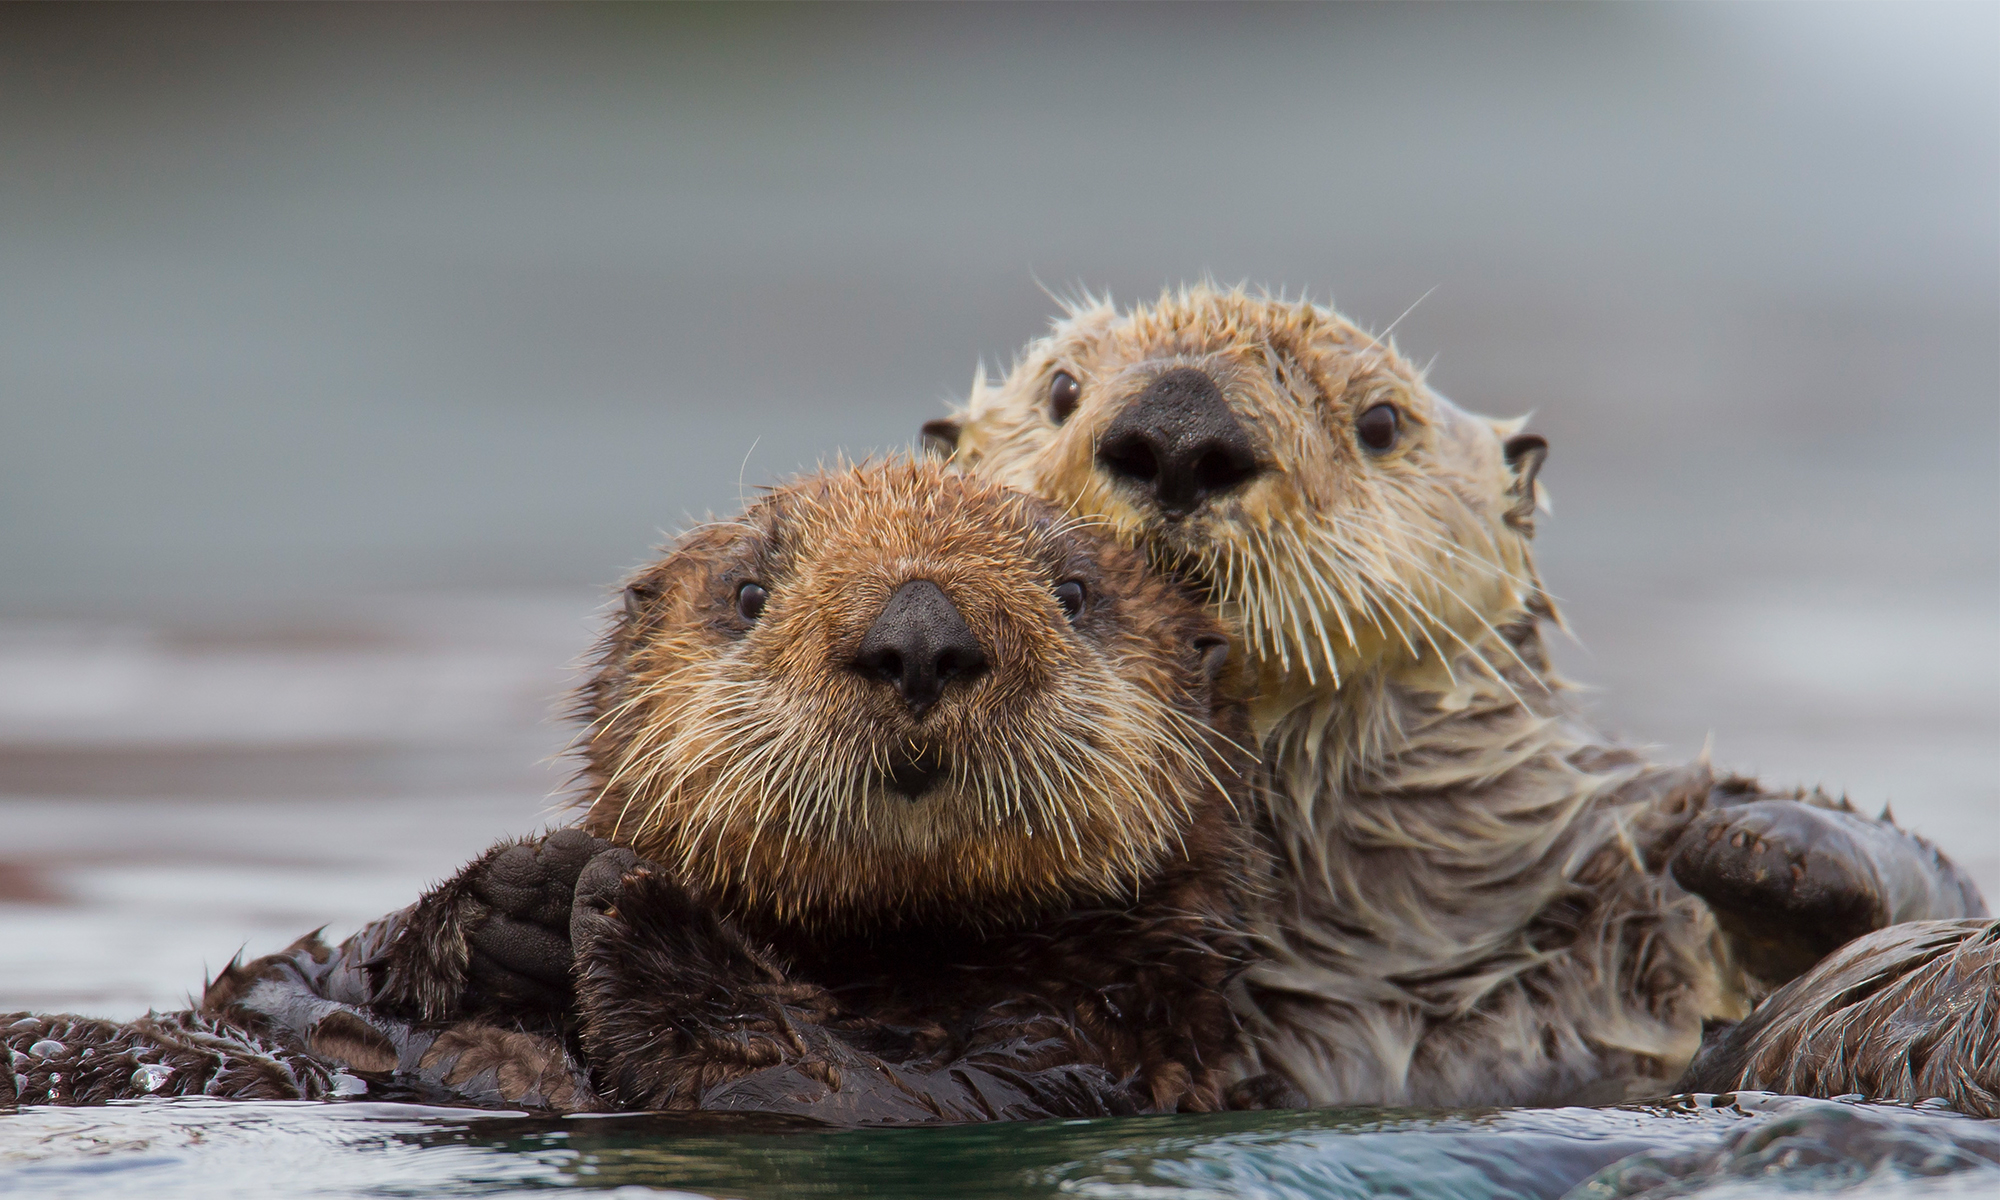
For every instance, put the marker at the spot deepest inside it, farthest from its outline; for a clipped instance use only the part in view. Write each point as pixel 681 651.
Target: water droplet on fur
pixel 345 1085
pixel 25 1025
pixel 151 1076
pixel 47 1048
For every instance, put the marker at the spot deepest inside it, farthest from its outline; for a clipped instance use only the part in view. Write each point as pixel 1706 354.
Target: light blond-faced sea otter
pixel 1481 899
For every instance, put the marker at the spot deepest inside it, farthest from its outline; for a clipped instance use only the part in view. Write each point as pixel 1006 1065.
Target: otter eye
pixel 1064 392
pixel 750 600
pixel 1069 594
pixel 1377 427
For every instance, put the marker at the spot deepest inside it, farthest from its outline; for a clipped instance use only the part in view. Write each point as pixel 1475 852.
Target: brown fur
pixel 1060 911
pixel 1047 927
pixel 472 1058
pixel 1909 1013
pixel 751 760
pixel 64 1059
pixel 1474 904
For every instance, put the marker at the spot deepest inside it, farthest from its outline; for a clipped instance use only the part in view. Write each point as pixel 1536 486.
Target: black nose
pixel 1179 440
pixel 919 644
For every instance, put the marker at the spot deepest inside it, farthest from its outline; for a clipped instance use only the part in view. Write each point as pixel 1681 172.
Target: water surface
pixel 196 1147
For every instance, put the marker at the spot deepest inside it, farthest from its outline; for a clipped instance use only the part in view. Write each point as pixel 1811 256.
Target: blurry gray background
pixel 348 354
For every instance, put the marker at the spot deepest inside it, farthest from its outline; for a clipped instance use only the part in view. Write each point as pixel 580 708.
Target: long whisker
pixel 1433 578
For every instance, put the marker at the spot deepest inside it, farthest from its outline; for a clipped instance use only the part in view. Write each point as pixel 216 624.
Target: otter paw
pixel 521 951
pixel 626 904
pixel 594 907
pixel 1789 882
pixel 638 931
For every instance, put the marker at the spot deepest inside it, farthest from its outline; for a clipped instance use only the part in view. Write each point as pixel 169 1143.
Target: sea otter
pixel 950 774
pixel 1480 900
pixel 908 799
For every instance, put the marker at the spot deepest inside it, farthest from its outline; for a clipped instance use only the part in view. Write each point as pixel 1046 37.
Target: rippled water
pixel 215 1149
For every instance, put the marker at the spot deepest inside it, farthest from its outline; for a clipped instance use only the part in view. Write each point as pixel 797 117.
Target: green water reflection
pixel 1326 1153
pixel 1753 1146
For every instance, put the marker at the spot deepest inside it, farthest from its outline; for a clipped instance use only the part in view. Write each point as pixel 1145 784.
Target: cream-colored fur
pixel 1472 905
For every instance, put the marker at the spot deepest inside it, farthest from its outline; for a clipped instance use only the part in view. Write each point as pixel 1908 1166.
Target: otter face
pixel 895 691
pixel 1341 514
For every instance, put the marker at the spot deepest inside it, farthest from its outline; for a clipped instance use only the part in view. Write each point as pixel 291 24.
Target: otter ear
pixel 1525 454
pixel 940 437
pixel 1213 654
pixel 639 594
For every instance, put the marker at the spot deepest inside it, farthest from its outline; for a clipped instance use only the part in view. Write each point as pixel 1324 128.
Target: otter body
pixel 1908 1013
pixel 907 800
pixel 1480 899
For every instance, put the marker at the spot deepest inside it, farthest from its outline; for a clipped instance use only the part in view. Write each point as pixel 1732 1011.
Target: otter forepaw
pixel 1790 882
pixel 635 927
pixel 520 951
pixel 493 937
pixel 673 999
pixel 612 883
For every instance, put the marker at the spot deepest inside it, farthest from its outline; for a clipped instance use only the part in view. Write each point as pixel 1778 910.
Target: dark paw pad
pixel 521 950
pixel 534 881
pixel 602 894
pixel 620 888
pixel 1788 881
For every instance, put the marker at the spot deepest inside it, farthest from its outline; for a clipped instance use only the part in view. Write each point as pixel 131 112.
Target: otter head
pixel 1344 517
pixel 897 693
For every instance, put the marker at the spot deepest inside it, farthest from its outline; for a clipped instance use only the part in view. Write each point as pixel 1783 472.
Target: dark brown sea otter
pixel 925 802
pixel 931 778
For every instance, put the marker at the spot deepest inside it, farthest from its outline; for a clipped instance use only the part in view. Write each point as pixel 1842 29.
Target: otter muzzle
pixel 1178 442
pixel 920 644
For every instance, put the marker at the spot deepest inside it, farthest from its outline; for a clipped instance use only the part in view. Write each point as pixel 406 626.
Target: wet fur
pixel 315 1022
pixel 1091 1012
pixel 336 1005
pixel 1909 1013
pixel 1473 904
pixel 71 1060
pixel 1057 919
pixel 1049 931
pixel 753 762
